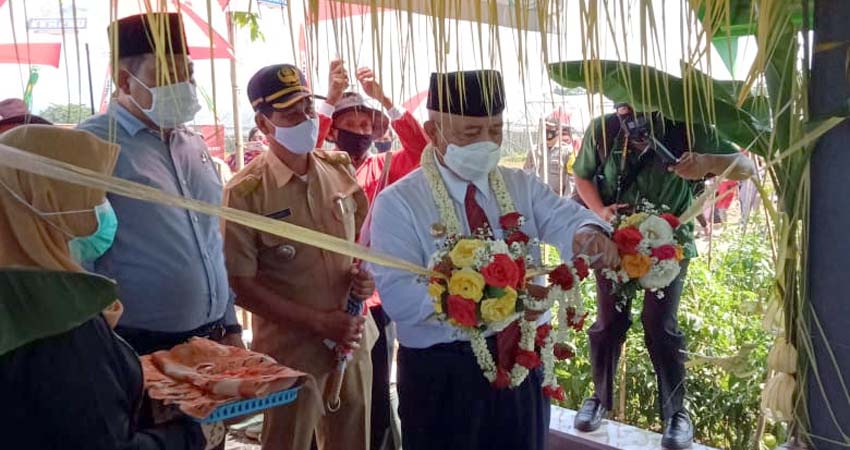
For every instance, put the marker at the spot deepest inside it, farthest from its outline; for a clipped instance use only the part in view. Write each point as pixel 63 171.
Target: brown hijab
pixel 27 239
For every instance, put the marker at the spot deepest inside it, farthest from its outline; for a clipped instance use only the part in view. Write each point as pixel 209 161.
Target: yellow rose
pixel 463 253
pixel 633 220
pixel 498 309
pixel 680 253
pixel 636 265
pixel 468 284
pixel 435 290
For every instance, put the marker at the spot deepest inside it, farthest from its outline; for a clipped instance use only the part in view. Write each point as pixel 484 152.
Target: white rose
pixel 656 232
pixel 660 275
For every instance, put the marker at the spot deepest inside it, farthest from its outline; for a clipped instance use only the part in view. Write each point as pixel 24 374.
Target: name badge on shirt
pixel 282 214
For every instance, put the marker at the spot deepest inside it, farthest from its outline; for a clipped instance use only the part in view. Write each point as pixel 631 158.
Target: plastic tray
pixel 252 405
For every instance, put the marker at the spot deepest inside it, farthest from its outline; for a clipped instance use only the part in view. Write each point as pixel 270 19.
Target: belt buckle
pixel 217 332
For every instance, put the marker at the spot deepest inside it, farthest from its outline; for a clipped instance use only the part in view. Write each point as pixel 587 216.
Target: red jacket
pixel 403 161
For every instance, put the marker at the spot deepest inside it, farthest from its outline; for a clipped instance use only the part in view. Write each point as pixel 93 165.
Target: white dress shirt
pixel 401 226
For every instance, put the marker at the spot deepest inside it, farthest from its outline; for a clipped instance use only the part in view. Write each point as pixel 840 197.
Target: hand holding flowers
pixel 590 240
pixel 650 248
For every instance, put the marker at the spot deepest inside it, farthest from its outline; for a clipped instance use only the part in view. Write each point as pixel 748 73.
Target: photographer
pixel 628 158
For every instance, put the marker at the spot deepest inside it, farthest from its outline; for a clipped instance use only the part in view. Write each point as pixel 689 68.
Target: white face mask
pixel 171 105
pixel 473 162
pixel 300 139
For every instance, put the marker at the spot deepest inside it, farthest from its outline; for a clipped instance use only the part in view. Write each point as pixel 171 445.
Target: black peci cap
pixel 477 93
pixel 144 33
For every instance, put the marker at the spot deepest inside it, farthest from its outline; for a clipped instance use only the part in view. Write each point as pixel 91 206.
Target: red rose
pixel 575 322
pixel 672 220
pixel 503 379
pixel 555 393
pixel 627 240
pixel 581 268
pixel 502 272
pixel 563 351
pixel 520 264
pixel 664 252
pixel 517 236
pixel 527 359
pixel 462 310
pixel 542 333
pixel 562 277
pixel 510 221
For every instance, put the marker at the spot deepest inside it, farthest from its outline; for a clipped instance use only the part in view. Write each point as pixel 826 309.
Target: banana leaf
pixel 697 99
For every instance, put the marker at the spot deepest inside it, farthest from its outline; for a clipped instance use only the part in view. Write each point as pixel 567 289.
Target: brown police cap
pixel 277 87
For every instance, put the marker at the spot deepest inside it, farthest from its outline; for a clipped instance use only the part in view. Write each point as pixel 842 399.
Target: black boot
pixel 590 416
pixel 678 432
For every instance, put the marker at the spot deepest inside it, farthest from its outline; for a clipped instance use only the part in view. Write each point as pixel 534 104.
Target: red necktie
pixel 475 213
pixel 507 340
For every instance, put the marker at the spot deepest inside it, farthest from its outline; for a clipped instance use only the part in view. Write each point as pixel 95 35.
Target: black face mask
pixel 354 144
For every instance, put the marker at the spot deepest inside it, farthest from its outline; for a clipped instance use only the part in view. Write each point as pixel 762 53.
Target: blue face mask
pixel 89 248
pixel 82 248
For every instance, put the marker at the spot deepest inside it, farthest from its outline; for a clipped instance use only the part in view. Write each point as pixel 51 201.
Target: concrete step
pixel 611 435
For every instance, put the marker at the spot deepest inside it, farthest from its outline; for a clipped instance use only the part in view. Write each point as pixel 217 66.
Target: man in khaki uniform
pixel 299 293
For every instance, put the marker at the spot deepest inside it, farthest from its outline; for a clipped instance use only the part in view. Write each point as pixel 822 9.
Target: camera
pixel 638 131
pixel 636 127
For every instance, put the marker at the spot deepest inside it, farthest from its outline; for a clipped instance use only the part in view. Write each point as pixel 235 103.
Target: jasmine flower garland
pixel 482 286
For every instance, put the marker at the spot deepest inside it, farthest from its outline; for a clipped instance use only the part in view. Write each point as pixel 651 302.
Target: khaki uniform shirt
pixel 329 201
pixel 558 173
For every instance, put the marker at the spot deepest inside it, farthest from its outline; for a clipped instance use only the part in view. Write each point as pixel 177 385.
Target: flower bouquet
pixel 479 286
pixel 482 288
pixel 650 244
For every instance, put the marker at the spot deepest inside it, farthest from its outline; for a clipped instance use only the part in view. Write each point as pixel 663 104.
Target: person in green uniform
pixel 619 168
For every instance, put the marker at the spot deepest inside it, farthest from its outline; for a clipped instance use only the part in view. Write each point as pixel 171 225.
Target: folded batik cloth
pixel 201 375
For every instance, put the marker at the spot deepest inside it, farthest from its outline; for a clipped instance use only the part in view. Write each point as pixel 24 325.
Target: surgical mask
pixel 82 248
pixel 354 144
pixel 473 162
pixel 300 139
pixel 89 248
pixel 383 146
pixel 171 105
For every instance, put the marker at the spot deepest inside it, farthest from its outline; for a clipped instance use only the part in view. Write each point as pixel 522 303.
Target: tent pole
pixel 237 122
pixel 91 88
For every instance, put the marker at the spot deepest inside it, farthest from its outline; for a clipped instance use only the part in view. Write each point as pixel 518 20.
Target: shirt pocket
pixel 344 208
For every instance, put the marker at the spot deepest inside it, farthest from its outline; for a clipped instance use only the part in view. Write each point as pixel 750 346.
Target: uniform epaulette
pixel 336 158
pixel 246 185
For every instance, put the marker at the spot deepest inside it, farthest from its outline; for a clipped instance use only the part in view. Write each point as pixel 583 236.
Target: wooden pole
pixel 234 82
pixel 828 372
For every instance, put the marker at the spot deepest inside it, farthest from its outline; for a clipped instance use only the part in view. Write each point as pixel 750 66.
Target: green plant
pixel 70 113
pixel 249 20
pixel 720 315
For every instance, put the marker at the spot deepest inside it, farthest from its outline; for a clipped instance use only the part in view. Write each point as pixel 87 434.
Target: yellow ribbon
pixel 48 167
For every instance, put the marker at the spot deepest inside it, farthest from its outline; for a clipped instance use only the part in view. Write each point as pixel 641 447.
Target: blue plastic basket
pixel 252 405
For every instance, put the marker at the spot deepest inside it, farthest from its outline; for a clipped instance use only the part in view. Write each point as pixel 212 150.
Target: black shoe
pixel 678 432
pixel 590 416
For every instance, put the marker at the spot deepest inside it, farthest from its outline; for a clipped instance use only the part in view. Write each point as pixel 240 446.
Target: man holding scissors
pixel 299 294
